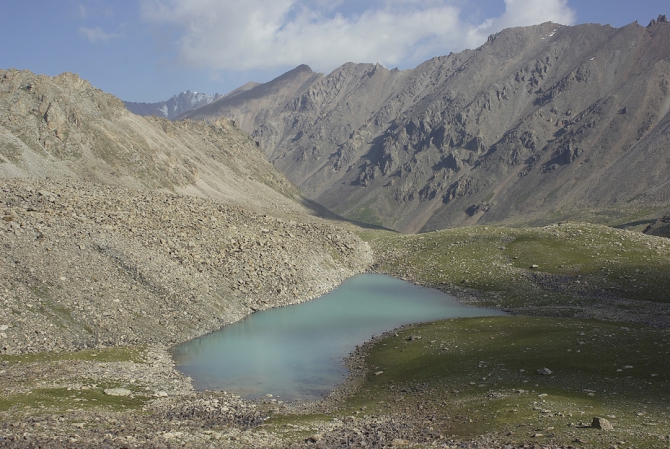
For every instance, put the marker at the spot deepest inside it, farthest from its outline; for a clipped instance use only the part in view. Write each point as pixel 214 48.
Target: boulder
pixel 601 423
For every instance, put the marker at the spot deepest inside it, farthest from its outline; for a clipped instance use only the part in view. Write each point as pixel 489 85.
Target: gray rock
pixel 601 423
pixel 117 392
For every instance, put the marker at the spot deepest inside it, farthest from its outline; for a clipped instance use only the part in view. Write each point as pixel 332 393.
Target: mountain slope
pixel 251 107
pixel 540 121
pixel 175 106
pixel 89 265
pixel 118 229
pixel 63 127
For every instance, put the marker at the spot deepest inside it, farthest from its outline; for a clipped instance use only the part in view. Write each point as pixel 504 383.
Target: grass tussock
pixel 31 385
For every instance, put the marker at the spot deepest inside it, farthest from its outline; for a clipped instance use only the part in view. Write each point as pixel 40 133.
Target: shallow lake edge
pixel 202 381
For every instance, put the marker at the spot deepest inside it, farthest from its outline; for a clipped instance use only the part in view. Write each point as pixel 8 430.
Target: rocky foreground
pixel 90 267
pixel 98 282
pixel 86 266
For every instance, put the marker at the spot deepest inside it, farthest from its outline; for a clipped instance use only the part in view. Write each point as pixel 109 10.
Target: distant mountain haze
pixel 541 121
pixel 175 106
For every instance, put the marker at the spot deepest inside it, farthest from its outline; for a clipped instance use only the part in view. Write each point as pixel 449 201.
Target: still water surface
pixel 297 352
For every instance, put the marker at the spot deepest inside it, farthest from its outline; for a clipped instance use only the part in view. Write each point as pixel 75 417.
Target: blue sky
pixel 149 50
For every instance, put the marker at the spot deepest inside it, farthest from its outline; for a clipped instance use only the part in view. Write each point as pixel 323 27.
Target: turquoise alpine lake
pixel 297 352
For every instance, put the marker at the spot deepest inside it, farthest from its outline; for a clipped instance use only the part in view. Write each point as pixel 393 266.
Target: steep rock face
pixel 175 106
pixel 63 127
pixel 542 120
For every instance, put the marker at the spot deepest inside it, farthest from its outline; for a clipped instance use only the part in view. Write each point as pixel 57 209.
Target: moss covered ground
pixel 561 265
pixel 524 379
pixel 589 304
pixel 35 388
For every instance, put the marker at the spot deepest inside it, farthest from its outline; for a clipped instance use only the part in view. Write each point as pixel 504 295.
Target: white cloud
pixel 97 34
pixel 261 34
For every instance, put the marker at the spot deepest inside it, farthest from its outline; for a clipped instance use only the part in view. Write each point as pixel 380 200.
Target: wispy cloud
pixel 257 34
pixel 96 35
pixel 83 11
pixel 93 8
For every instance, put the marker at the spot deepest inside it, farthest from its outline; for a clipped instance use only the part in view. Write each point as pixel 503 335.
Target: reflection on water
pixel 297 352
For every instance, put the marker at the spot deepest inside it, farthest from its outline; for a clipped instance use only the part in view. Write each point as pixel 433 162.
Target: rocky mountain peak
pixel 538 120
pixel 72 80
pixel 661 19
pixel 301 68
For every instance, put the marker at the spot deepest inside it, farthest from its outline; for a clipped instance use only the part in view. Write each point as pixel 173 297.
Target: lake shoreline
pixel 297 353
pixel 174 396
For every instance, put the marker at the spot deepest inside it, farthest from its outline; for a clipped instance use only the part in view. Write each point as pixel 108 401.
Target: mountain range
pixel 541 123
pixel 177 105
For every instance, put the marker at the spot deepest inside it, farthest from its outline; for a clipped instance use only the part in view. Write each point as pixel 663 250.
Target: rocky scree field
pixel 97 282
pixel 85 265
